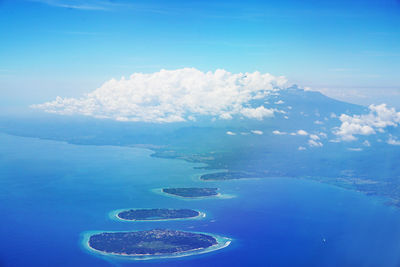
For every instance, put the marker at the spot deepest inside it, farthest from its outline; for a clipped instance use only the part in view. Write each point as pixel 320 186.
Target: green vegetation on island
pixel 152 242
pixel 230 175
pixel 191 191
pixel 279 152
pixel 157 214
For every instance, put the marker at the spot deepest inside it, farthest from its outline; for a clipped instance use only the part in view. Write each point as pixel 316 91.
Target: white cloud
pixel 173 96
pixel 323 135
pixel 318 122
pixel 313 143
pixel 280 102
pixel 302 132
pixel 314 137
pixel 257 132
pixel 276 132
pixel 230 133
pixel 226 116
pixel 101 5
pixel 302 148
pixel 367 143
pixel 355 149
pixel 393 141
pixel 378 118
pixel 75 4
pixel 191 118
pixel 257 113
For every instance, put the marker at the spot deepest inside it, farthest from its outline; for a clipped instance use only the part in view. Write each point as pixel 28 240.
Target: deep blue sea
pixel 51 192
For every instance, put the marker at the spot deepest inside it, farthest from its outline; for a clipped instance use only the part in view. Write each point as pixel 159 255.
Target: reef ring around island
pixel 160 191
pixel 222 242
pixel 114 215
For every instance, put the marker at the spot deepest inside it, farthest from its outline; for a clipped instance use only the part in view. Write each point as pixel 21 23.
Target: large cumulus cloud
pixel 173 96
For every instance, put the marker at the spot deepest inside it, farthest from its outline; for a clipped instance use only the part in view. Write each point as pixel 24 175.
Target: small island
pixel 230 175
pixel 156 243
pixel 158 214
pixel 191 192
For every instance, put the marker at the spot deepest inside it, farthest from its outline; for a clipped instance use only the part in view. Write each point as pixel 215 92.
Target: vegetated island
pixel 191 192
pixel 230 175
pixel 157 214
pixel 158 243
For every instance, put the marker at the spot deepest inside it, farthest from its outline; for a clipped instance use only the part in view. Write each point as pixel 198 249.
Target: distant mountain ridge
pixel 301 140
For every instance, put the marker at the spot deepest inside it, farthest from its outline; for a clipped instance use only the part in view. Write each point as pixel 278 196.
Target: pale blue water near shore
pixel 52 192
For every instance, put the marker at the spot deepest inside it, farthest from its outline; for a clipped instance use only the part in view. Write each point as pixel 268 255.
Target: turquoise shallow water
pixel 52 192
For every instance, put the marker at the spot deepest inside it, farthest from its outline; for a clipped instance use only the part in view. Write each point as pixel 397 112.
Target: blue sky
pixel 347 49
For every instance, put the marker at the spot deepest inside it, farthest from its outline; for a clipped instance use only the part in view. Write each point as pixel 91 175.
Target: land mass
pixel 152 242
pixel 278 152
pixel 217 176
pixel 157 214
pixel 191 192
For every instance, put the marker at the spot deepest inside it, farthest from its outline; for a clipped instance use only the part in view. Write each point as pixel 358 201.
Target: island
pixel 191 192
pixel 157 242
pixel 230 175
pixel 158 214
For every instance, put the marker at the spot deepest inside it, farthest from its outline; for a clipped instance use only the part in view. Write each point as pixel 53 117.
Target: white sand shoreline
pixel 218 195
pixel 115 215
pixel 222 242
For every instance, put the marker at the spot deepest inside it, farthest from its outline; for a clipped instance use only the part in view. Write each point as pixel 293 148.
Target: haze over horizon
pixel 346 49
pixel 200 133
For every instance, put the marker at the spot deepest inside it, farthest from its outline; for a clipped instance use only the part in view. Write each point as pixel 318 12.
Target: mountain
pixel 309 136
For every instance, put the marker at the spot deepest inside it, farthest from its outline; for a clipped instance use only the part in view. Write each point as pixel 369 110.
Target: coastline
pixel 224 180
pixel 222 242
pixel 208 167
pixel 160 191
pixel 114 215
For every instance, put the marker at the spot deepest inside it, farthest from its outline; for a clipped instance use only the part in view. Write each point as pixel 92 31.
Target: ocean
pixel 52 192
